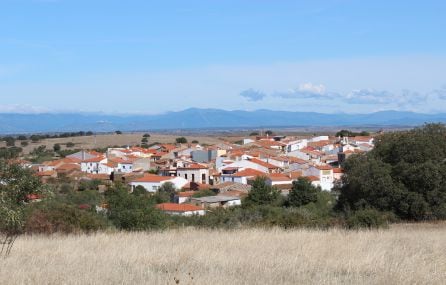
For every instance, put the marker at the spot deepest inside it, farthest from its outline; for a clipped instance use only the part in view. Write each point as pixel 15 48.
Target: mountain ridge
pixel 195 118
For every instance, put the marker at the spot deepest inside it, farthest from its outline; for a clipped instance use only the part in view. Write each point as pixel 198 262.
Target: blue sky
pixel 151 57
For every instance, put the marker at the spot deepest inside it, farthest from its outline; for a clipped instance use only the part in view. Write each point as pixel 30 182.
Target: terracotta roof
pixel 278 177
pixel 194 166
pixel 323 167
pixel 295 174
pixel 313 178
pixel 153 178
pixel 264 164
pixel 46 173
pixel 172 207
pixel 338 170
pixel 186 193
pixel 249 172
pixel 94 159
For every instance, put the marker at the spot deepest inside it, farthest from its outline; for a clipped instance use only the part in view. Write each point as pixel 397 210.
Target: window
pixel 154 188
pixel 193 177
pixel 185 175
pixel 203 178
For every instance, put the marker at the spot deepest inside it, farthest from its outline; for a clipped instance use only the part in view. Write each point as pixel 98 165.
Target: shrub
pixel 367 218
pixel 181 140
pixel 55 217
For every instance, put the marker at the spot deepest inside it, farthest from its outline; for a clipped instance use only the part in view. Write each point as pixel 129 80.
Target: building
pixel 181 209
pixel 217 201
pixel 153 182
pixel 194 172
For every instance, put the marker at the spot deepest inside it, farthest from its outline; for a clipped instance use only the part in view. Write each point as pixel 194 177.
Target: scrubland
pixel 402 254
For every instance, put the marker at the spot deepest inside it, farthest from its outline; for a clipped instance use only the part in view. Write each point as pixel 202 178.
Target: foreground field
pixel 404 254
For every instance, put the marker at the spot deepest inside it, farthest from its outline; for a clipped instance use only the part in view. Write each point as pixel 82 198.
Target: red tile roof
pixel 249 172
pixel 264 164
pixel 194 166
pixel 153 178
pixel 172 207
pixel 278 177
pixel 186 193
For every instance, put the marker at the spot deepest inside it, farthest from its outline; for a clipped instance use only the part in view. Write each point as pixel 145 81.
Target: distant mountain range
pixel 203 119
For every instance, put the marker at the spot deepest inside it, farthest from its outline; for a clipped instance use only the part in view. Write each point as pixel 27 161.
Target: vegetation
pixel 405 174
pixel 181 140
pixel 347 133
pixel 131 212
pixel 16 185
pixel 302 193
pixel 10 152
pixel 404 254
pixel 262 194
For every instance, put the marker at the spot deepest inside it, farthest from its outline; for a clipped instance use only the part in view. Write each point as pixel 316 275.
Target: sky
pixel 151 57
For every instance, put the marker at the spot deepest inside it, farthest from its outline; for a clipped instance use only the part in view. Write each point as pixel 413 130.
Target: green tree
pixel 16 184
pixel 56 147
pixel 118 132
pixel 262 194
pixel 254 134
pixel 302 193
pixel 146 136
pixel 181 140
pixel 10 141
pixel 131 212
pixel 405 174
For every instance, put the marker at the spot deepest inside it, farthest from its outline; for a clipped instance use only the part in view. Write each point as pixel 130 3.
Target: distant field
pixel 404 254
pixel 104 140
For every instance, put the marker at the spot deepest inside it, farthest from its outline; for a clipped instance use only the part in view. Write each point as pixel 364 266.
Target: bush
pixel 203 193
pixel 302 193
pixel 262 194
pixel 54 217
pixel 181 140
pixel 130 212
pixel 368 218
pixel 56 147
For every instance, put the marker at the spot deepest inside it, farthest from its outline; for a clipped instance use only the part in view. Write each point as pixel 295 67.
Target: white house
pixel 153 182
pixel 324 173
pixel 278 179
pixel 92 165
pixel 194 172
pixel 241 176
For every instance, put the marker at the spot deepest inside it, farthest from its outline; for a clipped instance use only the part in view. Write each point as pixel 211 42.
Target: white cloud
pixel 22 109
pixel 252 95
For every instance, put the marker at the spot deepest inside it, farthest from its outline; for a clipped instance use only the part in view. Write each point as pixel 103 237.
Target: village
pixel 225 170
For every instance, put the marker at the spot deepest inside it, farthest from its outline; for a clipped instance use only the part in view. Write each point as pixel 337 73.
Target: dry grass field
pixel 105 140
pixel 403 254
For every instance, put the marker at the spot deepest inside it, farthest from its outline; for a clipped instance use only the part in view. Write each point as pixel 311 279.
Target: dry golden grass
pixel 404 254
pixel 105 140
